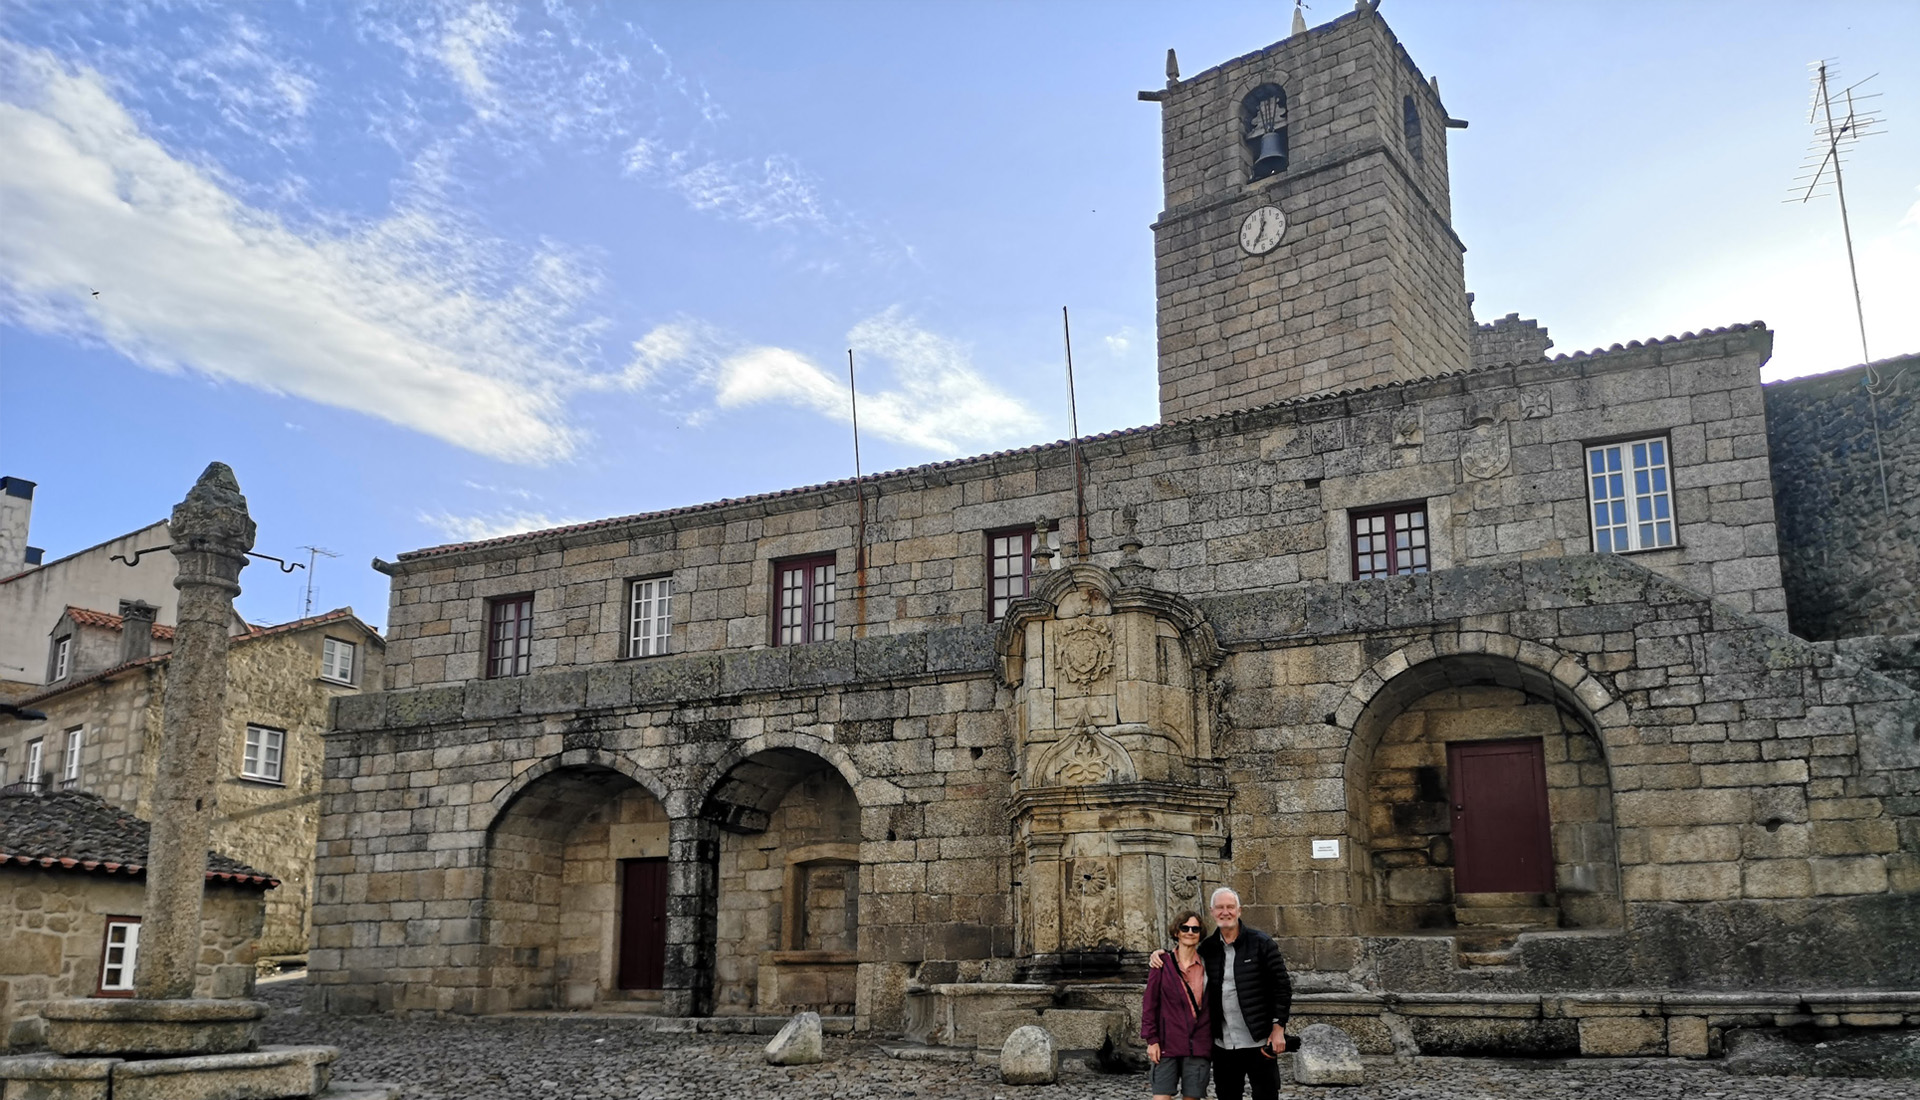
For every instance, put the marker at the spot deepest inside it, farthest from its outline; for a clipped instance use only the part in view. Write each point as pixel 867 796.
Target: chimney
pixel 16 509
pixel 136 629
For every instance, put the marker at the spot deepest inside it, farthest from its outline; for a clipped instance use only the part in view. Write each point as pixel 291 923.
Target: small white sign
pixel 1326 849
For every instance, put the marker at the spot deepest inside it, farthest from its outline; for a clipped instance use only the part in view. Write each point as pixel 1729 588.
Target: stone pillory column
pixel 211 536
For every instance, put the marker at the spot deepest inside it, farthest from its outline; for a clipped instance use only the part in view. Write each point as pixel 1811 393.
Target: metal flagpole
pixel 860 506
pixel 1073 422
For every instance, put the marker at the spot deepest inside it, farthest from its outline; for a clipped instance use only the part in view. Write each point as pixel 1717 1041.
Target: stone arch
pixel 1400 716
pixel 589 758
pixel 788 875
pixel 709 799
pixel 558 848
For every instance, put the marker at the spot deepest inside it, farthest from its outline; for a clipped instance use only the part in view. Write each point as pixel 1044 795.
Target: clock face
pixel 1261 232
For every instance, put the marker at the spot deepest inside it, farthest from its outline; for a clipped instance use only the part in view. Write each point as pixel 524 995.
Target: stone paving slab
pixel 531 1058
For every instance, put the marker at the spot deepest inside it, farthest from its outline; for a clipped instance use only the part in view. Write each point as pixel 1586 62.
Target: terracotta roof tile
pixel 75 830
pixel 86 616
pixel 1145 429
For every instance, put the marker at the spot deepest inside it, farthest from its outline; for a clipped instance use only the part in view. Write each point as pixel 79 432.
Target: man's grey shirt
pixel 1234 1033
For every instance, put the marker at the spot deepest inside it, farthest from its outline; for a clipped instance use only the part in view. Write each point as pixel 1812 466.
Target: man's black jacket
pixel 1260 978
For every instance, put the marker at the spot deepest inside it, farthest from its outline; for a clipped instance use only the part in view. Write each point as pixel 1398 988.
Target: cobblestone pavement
pixel 532 1058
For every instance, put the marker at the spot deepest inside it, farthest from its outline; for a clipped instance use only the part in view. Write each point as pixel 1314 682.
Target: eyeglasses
pixel 1194 929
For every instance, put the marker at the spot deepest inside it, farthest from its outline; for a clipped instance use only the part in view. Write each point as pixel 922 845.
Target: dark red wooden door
pixel 643 923
pixel 1500 825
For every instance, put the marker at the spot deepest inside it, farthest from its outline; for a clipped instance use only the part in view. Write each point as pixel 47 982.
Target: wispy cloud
pixel 414 318
pixel 491 525
pixel 919 388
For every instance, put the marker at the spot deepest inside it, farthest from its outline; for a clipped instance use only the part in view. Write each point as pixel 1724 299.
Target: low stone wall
pixel 53 928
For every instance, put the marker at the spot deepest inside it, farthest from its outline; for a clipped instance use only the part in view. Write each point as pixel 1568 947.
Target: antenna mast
pixel 1833 136
pixel 312 552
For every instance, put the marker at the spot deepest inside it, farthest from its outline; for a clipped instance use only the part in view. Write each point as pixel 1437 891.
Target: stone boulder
pixel 1030 1057
pixel 1327 1056
pixel 799 1043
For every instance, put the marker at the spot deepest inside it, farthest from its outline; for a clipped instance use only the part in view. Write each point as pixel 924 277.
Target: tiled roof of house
pixel 1145 429
pixel 77 831
pixel 86 616
pixel 339 614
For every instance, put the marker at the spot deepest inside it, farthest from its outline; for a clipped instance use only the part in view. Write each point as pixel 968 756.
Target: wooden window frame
pixel 1390 514
pixel 70 757
pixel 60 661
pixel 101 989
pixel 1651 492
pixel 328 670
pixel 650 623
pixel 248 750
pixel 996 603
pixel 812 627
pixel 499 662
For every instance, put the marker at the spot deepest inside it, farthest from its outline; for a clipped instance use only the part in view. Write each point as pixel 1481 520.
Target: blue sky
pixel 427 272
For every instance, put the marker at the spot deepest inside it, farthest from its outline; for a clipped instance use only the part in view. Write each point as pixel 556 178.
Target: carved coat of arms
pixel 1085 651
pixel 1488 447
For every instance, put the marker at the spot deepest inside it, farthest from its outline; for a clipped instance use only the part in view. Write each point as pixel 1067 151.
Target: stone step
pixel 1503 901
pixel 1476 959
pixel 1533 916
pixel 360 1090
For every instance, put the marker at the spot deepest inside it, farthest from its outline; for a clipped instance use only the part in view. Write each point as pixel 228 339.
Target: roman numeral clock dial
pixel 1261 232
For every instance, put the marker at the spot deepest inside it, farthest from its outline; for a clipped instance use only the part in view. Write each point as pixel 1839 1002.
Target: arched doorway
pixel 576 900
pixel 1479 797
pixel 788 929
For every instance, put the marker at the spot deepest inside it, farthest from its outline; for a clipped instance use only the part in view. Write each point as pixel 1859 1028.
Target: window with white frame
pixel 1010 566
pixel 1631 494
pixel 61 662
pixel 336 660
pixel 121 952
pixel 1389 541
pixel 3 767
pixel 70 763
pixel 650 617
pixel 263 757
pixel 34 748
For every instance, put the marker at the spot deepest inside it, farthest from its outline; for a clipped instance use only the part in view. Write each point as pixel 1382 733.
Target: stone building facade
pixel 71 865
pixel 280 687
pixel 1400 663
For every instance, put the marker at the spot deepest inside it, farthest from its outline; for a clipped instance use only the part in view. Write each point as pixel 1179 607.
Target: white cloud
pixel 916 387
pixel 491 525
pixel 414 318
pixel 471 44
pixel 1119 343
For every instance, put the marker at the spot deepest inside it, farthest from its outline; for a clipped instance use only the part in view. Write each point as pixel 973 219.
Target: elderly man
pixel 1250 996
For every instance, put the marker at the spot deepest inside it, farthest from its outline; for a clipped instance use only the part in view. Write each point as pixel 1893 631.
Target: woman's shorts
pixel 1189 1074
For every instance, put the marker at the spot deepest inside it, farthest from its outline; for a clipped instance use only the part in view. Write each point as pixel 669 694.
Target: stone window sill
pixel 335 683
pixel 260 781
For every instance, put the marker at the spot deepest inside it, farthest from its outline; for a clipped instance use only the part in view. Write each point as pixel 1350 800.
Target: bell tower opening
pixel 1306 245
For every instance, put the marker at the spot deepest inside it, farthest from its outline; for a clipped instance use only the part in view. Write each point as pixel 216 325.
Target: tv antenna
pixel 313 552
pixel 1839 119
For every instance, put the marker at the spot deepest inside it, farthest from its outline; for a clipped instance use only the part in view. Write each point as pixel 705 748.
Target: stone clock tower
pixel 1307 243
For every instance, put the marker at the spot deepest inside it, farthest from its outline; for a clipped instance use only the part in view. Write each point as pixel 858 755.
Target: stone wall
pixel 1255 500
pixel 273 682
pixel 1759 783
pixel 755 900
pixel 1849 555
pixel 1509 340
pixel 53 929
pixel 1365 287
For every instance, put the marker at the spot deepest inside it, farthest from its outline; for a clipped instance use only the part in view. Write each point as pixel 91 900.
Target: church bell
pixel 1270 154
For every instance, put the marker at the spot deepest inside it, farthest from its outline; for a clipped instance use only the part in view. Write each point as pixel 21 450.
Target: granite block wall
pixel 1848 498
pixel 1256 500
pixel 53 930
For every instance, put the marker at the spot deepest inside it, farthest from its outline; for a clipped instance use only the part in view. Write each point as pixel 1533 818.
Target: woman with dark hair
pixel 1174 1019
